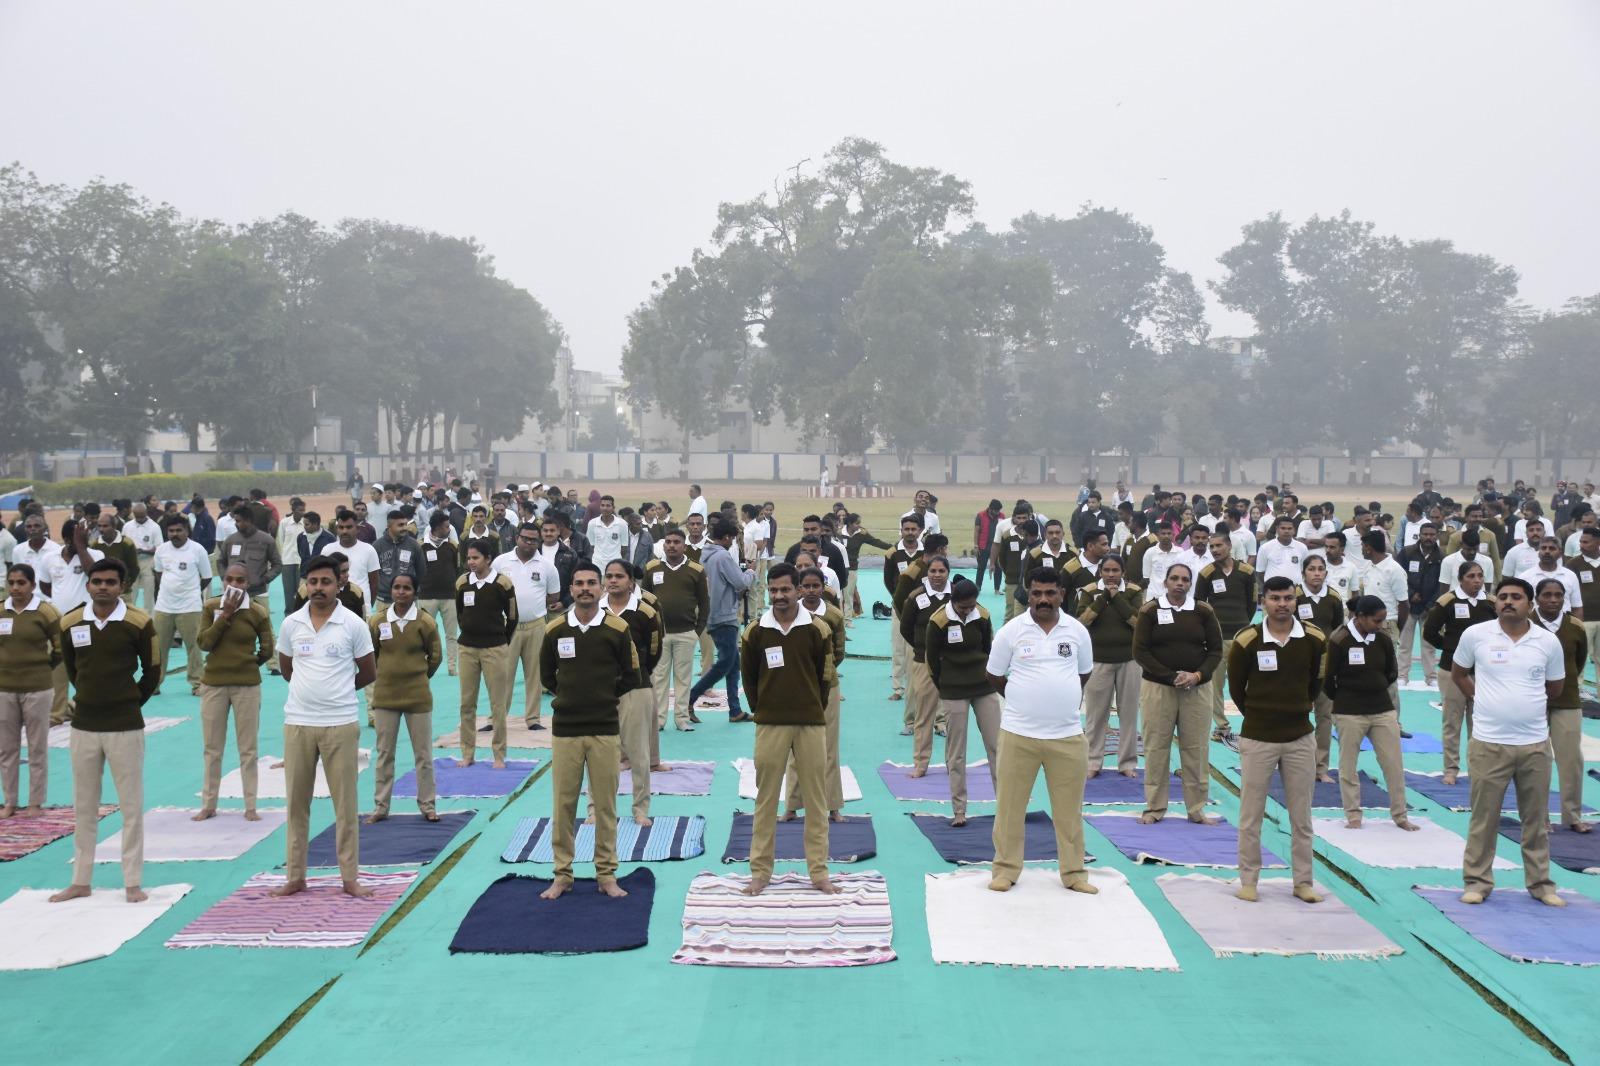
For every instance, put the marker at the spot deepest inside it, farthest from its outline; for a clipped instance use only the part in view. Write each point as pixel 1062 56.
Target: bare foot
pixel 835 816
pixel 432 816
pixel 356 889
pixel 289 888
pixel 6 812
pixel 589 820
pixel 1352 823
pixel 557 889
pixel 1000 884
pixel 30 812
pixel 1550 899
pixel 1326 779
pixel 659 768
pixel 1205 819
pixel 825 886
pixel 756 886
pixel 789 816
pixel 1576 827
pixel 135 894
pixel 1082 886
pixel 203 813
pixel 609 887
pixel 1093 773
pixel 1130 773
pixel 375 817
pixel 277 765
pixel 1472 897
pixel 918 772
pixel 499 764
pixel 1246 893
pixel 1408 826
pixel 1149 819
pixel 643 819
pixel 1305 894
pixel 250 815
pixel 464 762
pixel 70 892
pixel 1449 777
pixel 957 823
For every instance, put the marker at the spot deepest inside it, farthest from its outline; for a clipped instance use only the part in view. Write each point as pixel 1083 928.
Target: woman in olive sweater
pixel 1452 614
pixel 30 649
pixel 926 597
pixel 405 641
pixel 1360 666
pixel 956 644
pixel 236 635
pixel 1318 604
pixel 1177 644
pixel 1109 608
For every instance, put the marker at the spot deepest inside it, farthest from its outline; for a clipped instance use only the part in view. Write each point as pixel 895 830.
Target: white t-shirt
pixel 1387 581
pixel 753 531
pixel 606 542
pixel 1308 531
pixel 39 560
pixel 182 570
pixel 322 689
pixel 1157 563
pixel 1244 544
pixel 1044 692
pixel 8 544
pixel 1450 569
pixel 1569 579
pixel 698 506
pixel 534 580
pixel 69 583
pixel 930 521
pixel 363 560
pixel 1341 579
pixel 1510 704
pixel 1275 559
pixel 145 535
pixel 1521 557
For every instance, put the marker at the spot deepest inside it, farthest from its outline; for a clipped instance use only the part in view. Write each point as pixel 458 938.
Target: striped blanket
pixel 789 925
pixel 320 917
pixel 669 836
pixel 20 837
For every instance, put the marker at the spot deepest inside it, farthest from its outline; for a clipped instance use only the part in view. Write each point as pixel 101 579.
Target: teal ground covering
pixel 404 994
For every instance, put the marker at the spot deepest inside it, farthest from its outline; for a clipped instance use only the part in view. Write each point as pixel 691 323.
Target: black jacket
pixel 1422 580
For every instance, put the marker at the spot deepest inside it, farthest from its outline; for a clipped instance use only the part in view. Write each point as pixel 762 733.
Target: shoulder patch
pixel 1315 633
pixel 137 618
pixel 1129 586
pixel 646 610
pixel 49 613
pixel 1208 569
pixel 941 617
pixel 696 567
pixel 1247 636
pixel 1147 606
pixel 72 617
pixel 461 582
pixel 614 623
pixel 654 564
pixel 749 632
pixel 1246 568
pixel 1446 599
pixel 555 622
pixel 1073 566
pixel 823 627
pixel 506 583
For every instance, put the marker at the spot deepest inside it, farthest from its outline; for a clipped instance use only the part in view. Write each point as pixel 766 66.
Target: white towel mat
pixel 171 835
pixel 36 934
pixel 747 781
pixel 270 782
pixel 61 735
pixel 1381 843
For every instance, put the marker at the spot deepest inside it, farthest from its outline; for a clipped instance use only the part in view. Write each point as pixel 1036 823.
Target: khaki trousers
pixel 1455 708
pixel 636 722
pixel 1186 714
pixel 1322 713
pixel 1295 762
pixel 848 604
pixel 1384 732
pixel 30 712
pixel 1408 639
pixel 1219 685
pixel 708 651
pixel 60 705
pixel 526 643
pixel 1566 741
pixel 419 727
pixel 673 674
pixel 91 753
pixel 570 757
pixel 214 703
pixel 1106 680
pixel 1013 608
pixel 899 658
pixel 923 706
pixel 491 666
pixel 1591 629
pixel 986 709
pixel 445 612
pixel 145 583
pixel 335 746
pixel 830 745
pixel 186 625
pixel 758 589
pixel 1394 689
pixel 1065 763
pixel 774 746
pixel 1493 767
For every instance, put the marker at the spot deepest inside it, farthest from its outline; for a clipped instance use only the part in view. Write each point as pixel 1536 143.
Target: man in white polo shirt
pixel 1039 664
pixel 1509 668
pixel 145 533
pixel 185 570
pixel 1282 555
pixel 538 587
pixel 325 653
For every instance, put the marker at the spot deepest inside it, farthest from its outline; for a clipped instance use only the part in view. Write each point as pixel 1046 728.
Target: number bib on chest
pixel 1358 656
pixel 567 647
pixel 774 658
pixel 1267 661
pixel 953 635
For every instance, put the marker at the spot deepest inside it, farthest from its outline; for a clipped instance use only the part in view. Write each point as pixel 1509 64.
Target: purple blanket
pixel 1175 841
pixel 1108 786
pixel 1458 797
pixel 1519 927
pixel 480 780
pixel 684 779
pixel 936 785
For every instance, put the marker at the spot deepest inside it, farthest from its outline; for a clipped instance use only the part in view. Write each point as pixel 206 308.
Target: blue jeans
pixel 725 638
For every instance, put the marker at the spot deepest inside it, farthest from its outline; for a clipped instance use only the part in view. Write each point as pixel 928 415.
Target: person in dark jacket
pixel 1421 562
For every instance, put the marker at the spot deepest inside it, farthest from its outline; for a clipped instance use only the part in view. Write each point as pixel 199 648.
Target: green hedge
pixel 211 485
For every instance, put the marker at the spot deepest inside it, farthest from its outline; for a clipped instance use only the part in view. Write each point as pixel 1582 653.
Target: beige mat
pixel 517 735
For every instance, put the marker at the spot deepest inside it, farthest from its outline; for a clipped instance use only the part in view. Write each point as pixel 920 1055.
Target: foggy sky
pixel 587 146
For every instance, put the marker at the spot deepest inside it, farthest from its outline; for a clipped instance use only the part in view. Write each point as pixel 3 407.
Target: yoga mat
pixel 1176 841
pixel 60 736
pixel 790 925
pixel 270 783
pixel 510 918
pixel 518 735
pixel 669 836
pixel 1276 924
pixel 684 779
pixel 20 837
pixel 36 934
pixel 1114 741
pixel 1040 923
pixel 1416 743
pixel 1519 927
pixel 1382 844
pixel 1590 747
pixel 935 785
pixel 851 840
pixel 974 842
pixel 1109 787
pixel 398 840
pixel 747 782
pixel 1457 797
pixel 1326 794
pixel 322 916
pixel 478 781
pixel 1569 849
pixel 171 835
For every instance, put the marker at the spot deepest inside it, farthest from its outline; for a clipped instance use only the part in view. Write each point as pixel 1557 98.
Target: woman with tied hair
pixel 1451 615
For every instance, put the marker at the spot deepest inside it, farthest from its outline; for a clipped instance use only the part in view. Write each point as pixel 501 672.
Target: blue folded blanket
pixel 510 918
pixel 668 836
pixel 851 840
pixel 398 840
pixel 1569 849
pixel 1520 927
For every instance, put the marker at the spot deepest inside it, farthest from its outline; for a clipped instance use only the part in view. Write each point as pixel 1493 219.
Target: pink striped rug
pixel 22 836
pixel 320 917
pixel 790 925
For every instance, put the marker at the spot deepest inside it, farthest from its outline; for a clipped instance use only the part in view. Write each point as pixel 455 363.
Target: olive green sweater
pixel 1359 687
pixel 682 595
pixel 1276 704
pixel 1192 641
pixel 1444 625
pixel 407 657
pixel 644 626
pixel 1575 650
pixel 1233 600
pixel 31 647
pixel 794 690
pixel 914 614
pixel 102 664
pixel 1326 613
pixel 834 619
pixel 442 570
pixel 1110 620
pixel 958 654
pixel 490 619
pixel 587 670
pixel 235 647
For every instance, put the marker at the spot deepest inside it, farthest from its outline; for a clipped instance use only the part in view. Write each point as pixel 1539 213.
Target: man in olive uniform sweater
pixel 1565 710
pixel 1229 586
pixel 1274 673
pixel 486 606
pixel 1361 664
pixel 405 642
pixel 109 651
pixel 896 563
pixel 588 659
pixel 784 671
pixel 812 586
pixel 236 636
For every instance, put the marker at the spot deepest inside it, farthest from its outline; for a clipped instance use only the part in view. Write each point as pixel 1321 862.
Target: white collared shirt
pixel 39 560
pixel 607 541
pixel 322 688
pixel 631 605
pixel 118 613
pixel 145 535
pixel 802 618
pixel 1450 569
pixel 1387 581
pixel 69 581
pixel 1276 559
pixel 1044 692
pixel 584 627
pixel 1510 705
pixel 399 620
pixel 182 571
pixel 1568 579
pixel 1294 634
pixel 363 559
pixel 930 521
pixel 533 580
pixel 1356 633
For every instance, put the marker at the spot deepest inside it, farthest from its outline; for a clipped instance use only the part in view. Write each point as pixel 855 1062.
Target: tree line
pixel 862 302
pixel 119 316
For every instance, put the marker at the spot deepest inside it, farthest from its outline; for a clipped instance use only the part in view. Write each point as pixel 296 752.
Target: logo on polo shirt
pixel 1064 649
